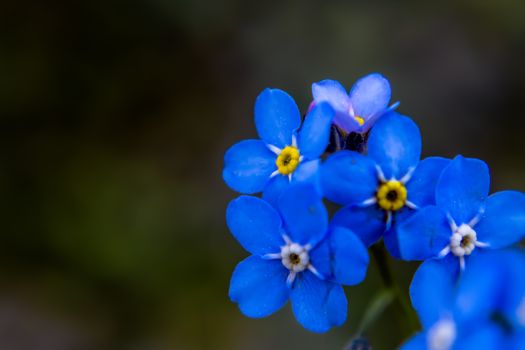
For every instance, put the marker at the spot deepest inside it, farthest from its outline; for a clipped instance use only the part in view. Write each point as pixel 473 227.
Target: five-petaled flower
pixel 284 154
pixel 484 310
pixel 298 257
pixel 361 108
pixel 383 189
pixel 464 220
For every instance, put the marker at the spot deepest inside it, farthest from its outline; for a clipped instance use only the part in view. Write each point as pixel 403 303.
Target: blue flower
pixel 282 155
pixel 297 257
pixel 465 219
pixel 486 310
pixel 358 111
pixel 385 187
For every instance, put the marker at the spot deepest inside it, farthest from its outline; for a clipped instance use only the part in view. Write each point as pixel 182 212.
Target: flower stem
pixel 380 255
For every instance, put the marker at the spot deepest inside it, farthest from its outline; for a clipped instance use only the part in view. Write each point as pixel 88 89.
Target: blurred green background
pixel 114 119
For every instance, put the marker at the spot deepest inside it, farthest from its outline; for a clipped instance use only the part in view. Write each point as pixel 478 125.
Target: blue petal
pixel 417 342
pixel 513 285
pixel 332 92
pixel 493 281
pixel 259 287
pixel 341 257
pixel 424 235
pixel 432 289
pixel 346 122
pixel 391 237
pixel 318 305
pixel 304 214
pixel 255 224
pixel 276 117
pixel 309 172
pixel 350 256
pixel 349 178
pixel 421 187
pixel 275 188
pixel 248 166
pixel 479 288
pixel 463 188
pixel 315 132
pixel 503 222
pixel 370 95
pixel 395 144
pixel 368 223
pixel 485 336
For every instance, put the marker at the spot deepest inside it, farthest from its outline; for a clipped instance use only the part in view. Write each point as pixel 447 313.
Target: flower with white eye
pixel 483 309
pixel 296 256
pixel 464 218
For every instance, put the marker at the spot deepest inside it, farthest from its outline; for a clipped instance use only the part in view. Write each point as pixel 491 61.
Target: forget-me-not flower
pixel 284 154
pixel 296 256
pixel 384 188
pixel 484 311
pixel 358 110
pixel 465 219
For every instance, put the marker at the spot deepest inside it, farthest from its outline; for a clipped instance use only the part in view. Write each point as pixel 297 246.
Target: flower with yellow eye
pixel 287 151
pixel 384 188
pixel 358 110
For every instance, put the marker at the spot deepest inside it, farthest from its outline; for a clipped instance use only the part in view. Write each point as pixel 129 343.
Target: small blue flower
pixel 384 188
pixel 485 310
pixel 464 220
pixel 298 257
pixel 358 111
pixel 282 155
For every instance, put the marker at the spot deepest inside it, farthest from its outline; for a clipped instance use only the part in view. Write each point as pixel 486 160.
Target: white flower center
pixel 295 257
pixel 463 241
pixel 442 335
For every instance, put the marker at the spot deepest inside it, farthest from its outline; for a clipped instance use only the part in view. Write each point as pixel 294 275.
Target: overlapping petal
pixel 432 289
pixel 368 223
pixel 332 92
pixel 503 222
pixel 255 224
pixel 421 187
pixel 275 187
pixel 462 188
pixel 248 166
pixel 318 305
pixel 349 178
pixel 480 290
pixel 304 214
pixel 424 235
pixel 276 117
pixel 259 287
pixel 370 95
pixel 315 132
pixel 395 144
pixel 341 257
pixel 391 238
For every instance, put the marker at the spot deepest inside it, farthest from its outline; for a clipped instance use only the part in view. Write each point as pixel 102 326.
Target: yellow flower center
pixel 391 195
pixel 288 160
pixel 360 120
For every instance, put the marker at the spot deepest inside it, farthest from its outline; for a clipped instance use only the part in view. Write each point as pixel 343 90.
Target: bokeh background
pixel 114 117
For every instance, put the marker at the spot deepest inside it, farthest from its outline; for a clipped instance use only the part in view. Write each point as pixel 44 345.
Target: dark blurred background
pixel 114 119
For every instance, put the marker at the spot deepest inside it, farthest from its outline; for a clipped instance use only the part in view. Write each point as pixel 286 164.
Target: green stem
pixel 380 255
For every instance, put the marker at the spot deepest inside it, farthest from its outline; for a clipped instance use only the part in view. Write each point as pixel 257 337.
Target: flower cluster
pixel 355 150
